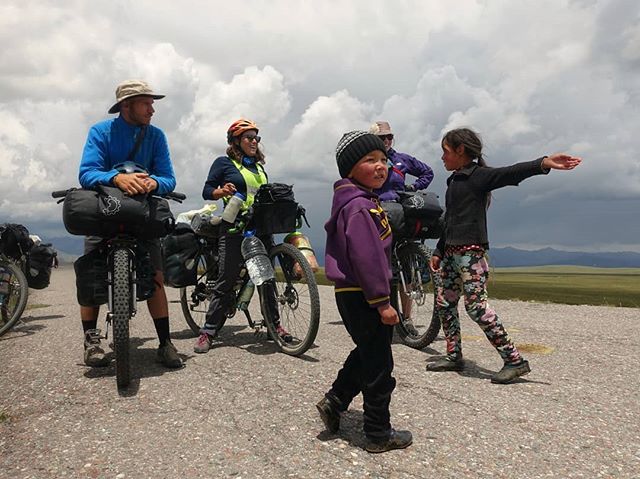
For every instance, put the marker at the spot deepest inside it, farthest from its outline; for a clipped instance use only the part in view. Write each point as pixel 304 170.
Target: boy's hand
pixel 388 315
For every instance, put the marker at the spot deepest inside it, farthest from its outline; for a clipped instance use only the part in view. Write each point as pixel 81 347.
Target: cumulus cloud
pixel 533 77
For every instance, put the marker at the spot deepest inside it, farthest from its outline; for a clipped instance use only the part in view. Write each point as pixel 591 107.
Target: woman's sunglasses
pixel 386 137
pixel 250 138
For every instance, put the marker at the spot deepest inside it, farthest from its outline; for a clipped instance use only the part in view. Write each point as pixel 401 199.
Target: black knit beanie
pixel 353 146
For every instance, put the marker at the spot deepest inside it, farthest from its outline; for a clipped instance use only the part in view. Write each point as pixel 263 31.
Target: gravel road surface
pixel 245 410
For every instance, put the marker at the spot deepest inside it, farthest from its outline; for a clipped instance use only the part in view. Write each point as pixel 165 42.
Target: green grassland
pixel 563 284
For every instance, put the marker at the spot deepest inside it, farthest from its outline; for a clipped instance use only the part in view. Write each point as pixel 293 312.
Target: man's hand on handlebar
pixel 135 183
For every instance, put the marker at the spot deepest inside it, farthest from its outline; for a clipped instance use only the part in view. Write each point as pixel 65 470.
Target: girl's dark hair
pixel 469 139
pixel 235 152
pixel 472 146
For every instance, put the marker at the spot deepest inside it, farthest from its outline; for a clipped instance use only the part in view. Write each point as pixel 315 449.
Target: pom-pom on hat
pixel 353 146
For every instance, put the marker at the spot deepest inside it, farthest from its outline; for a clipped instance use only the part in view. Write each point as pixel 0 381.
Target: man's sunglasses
pixel 386 137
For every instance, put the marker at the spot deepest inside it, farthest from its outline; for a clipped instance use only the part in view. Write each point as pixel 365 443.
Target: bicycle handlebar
pixel 59 193
pixel 179 197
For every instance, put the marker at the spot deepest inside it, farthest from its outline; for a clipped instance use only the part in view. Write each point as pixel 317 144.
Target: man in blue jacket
pixel 130 137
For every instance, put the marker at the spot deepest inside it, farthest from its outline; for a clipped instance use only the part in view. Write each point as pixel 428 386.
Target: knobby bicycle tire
pixel 297 298
pixel 121 315
pixel 16 300
pixel 414 261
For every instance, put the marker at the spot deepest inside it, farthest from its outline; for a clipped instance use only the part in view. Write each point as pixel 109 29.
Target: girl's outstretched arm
pixel 560 161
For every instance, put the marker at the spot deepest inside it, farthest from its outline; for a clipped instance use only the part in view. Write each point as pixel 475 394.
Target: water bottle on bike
pixel 233 207
pixel 255 256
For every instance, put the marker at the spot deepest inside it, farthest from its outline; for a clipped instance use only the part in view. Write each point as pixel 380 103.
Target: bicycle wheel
pixel 419 323
pixel 121 315
pixel 297 298
pixel 13 302
pixel 195 299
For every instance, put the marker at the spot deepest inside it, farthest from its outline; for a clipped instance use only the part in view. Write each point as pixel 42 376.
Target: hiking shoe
pixel 168 355
pixel 284 334
pixel 397 440
pixel 446 364
pixel 94 355
pixel 329 414
pixel 204 343
pixel 509 372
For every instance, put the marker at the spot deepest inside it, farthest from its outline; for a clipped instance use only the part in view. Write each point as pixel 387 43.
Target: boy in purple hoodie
pixel 357 261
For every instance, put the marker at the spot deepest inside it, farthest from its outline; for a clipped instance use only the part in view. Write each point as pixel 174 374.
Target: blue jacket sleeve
pixel 93 170
pixel 162 167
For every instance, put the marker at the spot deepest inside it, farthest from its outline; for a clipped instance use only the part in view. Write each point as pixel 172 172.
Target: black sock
pixel 86 325
pixel 162 328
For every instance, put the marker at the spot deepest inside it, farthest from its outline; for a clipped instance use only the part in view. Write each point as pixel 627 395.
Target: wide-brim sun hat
pixel 131 88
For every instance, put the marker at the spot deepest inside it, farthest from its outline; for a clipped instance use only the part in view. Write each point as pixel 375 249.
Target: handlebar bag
pixel 418 204
pixel 160 221
pixel 105 211
pixel 40 260
pixel 275 209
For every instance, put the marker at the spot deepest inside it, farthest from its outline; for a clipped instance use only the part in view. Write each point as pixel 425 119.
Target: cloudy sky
pixel 533 77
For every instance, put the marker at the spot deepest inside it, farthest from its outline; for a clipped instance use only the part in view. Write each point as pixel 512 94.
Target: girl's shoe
pixel 509 372
pixel 446 364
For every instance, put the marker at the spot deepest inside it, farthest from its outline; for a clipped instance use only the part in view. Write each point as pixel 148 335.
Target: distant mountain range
pixel 507 257
pixel 70 247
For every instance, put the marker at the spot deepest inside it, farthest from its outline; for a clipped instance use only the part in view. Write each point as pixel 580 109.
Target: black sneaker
pixel 446 364
pixel 94 355
pixel 509 372
pixel 168 355
pixel 329 414
pixel 397 440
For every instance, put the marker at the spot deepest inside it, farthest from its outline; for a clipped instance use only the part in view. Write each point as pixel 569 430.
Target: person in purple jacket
pixel 357 261
pixel 400 164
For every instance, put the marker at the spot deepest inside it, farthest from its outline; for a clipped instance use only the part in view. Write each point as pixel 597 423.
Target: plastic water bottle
pixel 233 207
pixel 255 256
pixel 244 298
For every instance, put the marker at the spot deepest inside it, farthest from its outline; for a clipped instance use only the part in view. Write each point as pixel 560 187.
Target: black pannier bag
pixel 145 272
pixel 40 260
pixel 107 211
pixel 92 276
pixel 92 273
pixel 408 225
pixel 275 209
pixel 179 258
pixel 15 240
pixel 422 205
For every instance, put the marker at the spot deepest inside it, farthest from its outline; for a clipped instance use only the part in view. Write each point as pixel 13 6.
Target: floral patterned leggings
pixel 467 272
